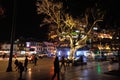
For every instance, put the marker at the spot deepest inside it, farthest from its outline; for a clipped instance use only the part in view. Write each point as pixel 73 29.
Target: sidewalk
pixel 44 71
pixel 4 63
pixel 39 72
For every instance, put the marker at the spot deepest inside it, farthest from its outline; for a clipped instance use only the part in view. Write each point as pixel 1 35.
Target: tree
pixel 64 27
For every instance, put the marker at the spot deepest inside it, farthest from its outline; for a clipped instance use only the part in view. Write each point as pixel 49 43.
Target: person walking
pixel 63 63
pixel 26 63
pixel 21 69
pixel 16 64
pixel 67 62
pixel 35 60
pixel 56 69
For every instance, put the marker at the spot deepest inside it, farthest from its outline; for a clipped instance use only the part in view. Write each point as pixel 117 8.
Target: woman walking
pixel 56 69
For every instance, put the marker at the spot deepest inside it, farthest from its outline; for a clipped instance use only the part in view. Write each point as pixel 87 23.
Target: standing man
pixel 16 64
pixel 35 60
pixel 26 63
pixel 56 69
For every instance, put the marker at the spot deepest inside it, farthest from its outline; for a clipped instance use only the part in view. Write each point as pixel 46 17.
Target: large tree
pixel 64 27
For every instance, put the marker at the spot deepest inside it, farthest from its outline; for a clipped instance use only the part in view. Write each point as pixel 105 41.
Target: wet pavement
pixel 44 71
pixel 95 72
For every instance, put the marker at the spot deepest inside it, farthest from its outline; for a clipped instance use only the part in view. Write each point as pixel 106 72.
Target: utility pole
pixel 9 68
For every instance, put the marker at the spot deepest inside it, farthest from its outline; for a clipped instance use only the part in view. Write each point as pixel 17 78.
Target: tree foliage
pixel 64 27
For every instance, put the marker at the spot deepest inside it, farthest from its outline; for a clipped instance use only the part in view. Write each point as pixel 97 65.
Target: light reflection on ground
pixel 109 67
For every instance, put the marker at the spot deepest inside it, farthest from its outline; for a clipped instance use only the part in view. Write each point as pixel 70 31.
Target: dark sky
pixel 27 21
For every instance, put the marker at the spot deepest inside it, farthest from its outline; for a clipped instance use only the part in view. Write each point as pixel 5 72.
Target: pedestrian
pixel 67 62
pixel 56 69
pixel 32 58
pixel 21 69
pixel 81 61
pixel 63 63
pixel 35 60
pixel 15 55
pixel 4 55
pixel 16 64
pixel 26 63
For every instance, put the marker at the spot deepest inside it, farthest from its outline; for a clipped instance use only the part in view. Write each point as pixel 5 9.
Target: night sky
pixel 27 21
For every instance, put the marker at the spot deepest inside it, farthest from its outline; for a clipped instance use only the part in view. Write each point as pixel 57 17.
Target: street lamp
pixel 9 68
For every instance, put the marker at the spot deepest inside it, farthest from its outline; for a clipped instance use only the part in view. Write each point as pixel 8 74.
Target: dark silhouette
pixel 16 64
pixel 63 63
pixel 26 63
pixel 81 61
pixel 67 62
pixel 4 55
pixel 21 69
pixel 35 60
pixel 56 69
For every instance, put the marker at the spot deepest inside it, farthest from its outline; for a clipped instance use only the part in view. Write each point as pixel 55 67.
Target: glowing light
pixel 29 73
pixel 77 31
pixel 59 53
pixel 98 69
pixel 109 67
pixel 95 28
pixel 68 53
pixel 105 36
pixel 117 37
pixel 27 44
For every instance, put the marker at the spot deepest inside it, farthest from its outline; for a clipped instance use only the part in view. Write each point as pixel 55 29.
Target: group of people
pixel 34 59
pixel 58 66
pixel 20 67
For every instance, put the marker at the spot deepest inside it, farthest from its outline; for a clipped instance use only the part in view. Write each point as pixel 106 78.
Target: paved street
pixel 44 71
